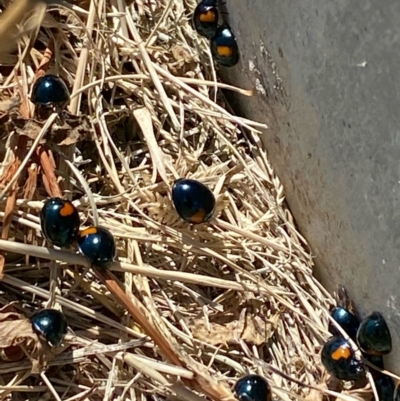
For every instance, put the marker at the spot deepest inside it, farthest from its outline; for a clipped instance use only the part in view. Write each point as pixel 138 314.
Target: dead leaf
pixel 72 138
pixel 7 105
pixel 253 330
pixel 15 330
pixel 29 128
pixel 17 336
pixel 8 109
pixel 315 395
pixel 184 61
pixel 181 54
pixel 71 130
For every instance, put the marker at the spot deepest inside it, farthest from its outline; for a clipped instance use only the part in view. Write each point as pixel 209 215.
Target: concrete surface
pixel 331 75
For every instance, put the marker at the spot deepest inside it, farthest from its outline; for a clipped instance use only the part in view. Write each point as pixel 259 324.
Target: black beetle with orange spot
pixel 60 221
pixel 346 320
pixel 205 18
pixel 224 48
pixel 193 201
pixel 340 361
pixel 97 244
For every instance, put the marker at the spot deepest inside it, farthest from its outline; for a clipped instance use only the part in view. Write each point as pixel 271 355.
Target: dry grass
pixel 230 297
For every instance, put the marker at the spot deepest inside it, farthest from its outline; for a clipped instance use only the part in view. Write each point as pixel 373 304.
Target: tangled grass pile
pixel 222 299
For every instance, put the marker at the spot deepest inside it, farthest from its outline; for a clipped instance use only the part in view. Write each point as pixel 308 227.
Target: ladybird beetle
pixel 98 245
pixel 340 361
pixel 50 90
pixel 193 201
pixel 373 335
pixel 50 324
pixel 60 221
pixel 205 18
pixel 385 387
pixel 346 320
pixel 253 388
pixel 224 48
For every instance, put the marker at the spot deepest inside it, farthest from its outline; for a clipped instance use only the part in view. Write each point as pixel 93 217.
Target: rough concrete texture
pixel 328 79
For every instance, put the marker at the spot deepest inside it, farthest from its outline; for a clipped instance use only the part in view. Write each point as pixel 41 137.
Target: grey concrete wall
pixel 331 75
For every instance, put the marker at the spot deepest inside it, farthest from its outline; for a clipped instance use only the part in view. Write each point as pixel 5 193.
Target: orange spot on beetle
pixel 341 352
pixel 88 231
pixel 198 217
pixel 209 16
pixel 224 51
pixel 67 210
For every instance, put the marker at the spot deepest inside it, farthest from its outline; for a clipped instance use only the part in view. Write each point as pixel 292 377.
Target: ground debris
pixel 18 339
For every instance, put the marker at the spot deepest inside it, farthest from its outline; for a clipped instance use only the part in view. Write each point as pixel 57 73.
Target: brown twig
pixel 49 177
pixel 29 193
pixel 110 281
pixel 48 56
pixel 12 196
